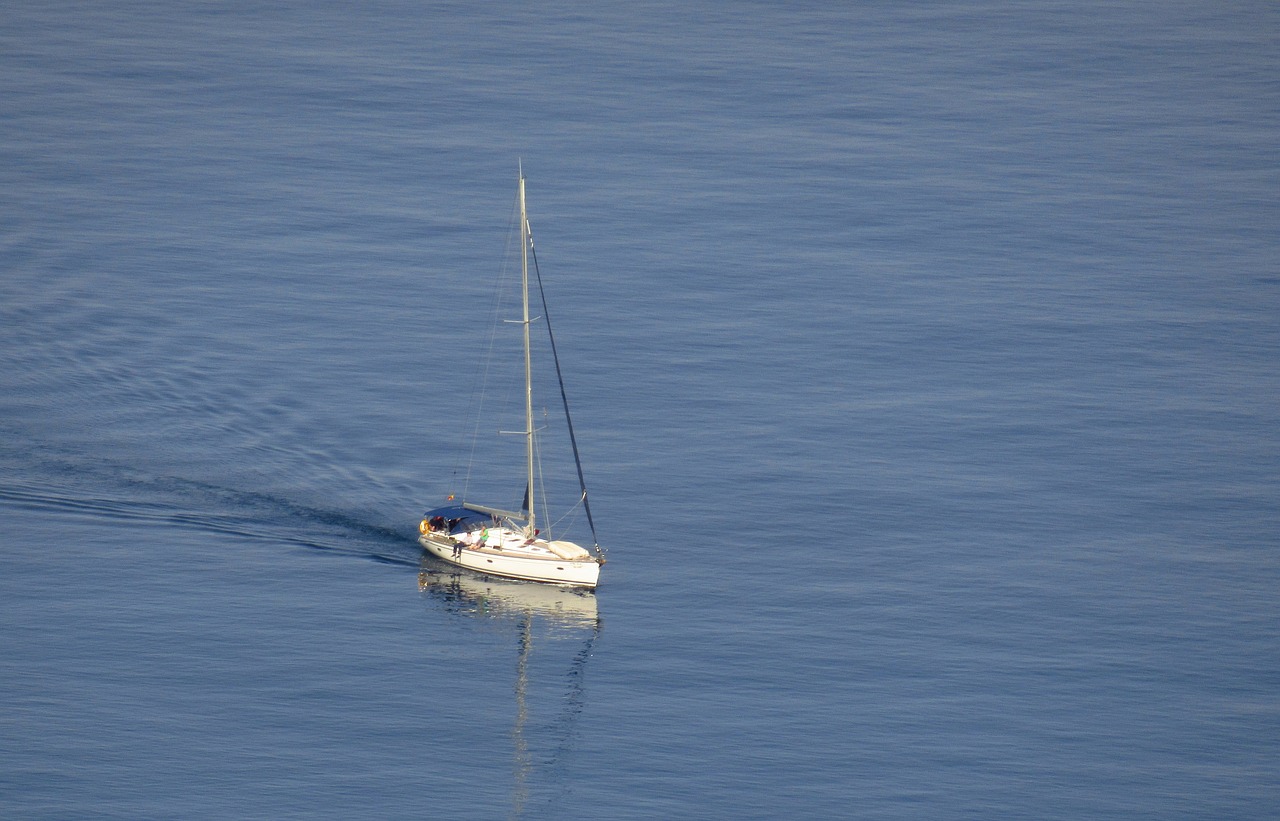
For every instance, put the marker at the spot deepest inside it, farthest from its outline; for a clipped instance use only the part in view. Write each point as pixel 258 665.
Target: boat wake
pixel 183 504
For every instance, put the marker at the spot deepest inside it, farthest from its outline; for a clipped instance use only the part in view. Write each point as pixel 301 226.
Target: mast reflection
pixel 569 613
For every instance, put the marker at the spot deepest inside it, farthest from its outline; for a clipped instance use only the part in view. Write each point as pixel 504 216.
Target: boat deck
pixel 507 542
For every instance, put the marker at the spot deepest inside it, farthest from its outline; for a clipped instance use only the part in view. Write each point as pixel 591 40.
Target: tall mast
pixel 528 368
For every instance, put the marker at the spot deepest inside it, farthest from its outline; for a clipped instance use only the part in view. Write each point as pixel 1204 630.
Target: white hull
pixel 532 562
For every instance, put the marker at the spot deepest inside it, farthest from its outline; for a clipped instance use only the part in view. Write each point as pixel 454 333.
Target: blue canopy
pixel 458 517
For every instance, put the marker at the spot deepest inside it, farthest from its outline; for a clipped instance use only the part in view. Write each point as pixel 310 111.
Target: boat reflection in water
pixel 465 591
pixel 569 613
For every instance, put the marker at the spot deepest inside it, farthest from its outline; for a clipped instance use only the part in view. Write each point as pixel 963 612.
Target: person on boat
pixel 457 548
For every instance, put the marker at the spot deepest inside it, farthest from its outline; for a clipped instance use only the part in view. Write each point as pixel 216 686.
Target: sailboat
pixel 510 543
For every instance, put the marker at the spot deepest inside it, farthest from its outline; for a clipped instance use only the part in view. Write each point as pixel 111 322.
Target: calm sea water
pixel 925 359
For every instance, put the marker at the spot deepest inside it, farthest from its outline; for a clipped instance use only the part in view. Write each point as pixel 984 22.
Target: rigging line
pixel 573 440
pixel 570 515
pixel 558 526
pixel 542 484
pixel 479 392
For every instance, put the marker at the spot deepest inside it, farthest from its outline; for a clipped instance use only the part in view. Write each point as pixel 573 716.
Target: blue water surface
pixel 925 360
